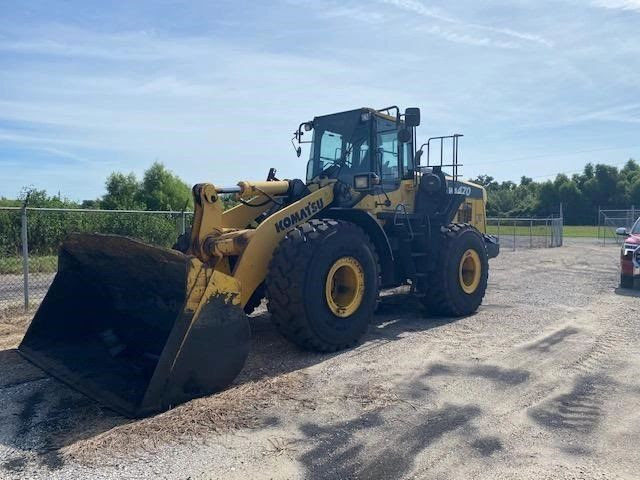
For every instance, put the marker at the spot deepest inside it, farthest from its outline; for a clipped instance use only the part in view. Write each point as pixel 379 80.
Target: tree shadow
pixel 579 410
pixel 353 448
pixel 385 443
pixel 545 344
pixel 494 373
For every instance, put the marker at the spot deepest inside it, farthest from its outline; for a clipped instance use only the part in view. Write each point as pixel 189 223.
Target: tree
pixel 634 192
pixel 487 181
pixel 573 204
pixel 548 198
pixel 161 189
pixel 525 181
pixel 123 193
pixel 40 198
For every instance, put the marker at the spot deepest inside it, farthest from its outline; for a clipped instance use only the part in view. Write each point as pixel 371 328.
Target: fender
pixel 368 223
pixel 251 268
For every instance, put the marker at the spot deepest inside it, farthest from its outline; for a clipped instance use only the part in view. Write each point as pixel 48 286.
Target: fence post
pixel 25 257
pixel 561 226
pixel 547 232
pixel 530 233
pixel 514 235
pixel 598 220
pixel 498 229
pixel 184 223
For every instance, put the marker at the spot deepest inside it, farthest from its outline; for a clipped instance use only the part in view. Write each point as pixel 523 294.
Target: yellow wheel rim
pixel 470 271
pixel 344 288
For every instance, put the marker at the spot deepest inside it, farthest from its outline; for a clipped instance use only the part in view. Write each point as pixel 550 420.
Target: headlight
pixel 628 248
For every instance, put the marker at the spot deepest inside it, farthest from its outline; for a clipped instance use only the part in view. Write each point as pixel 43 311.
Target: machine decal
pixel 310 209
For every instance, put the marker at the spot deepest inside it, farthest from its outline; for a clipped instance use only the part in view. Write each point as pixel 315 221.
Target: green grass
pixel 537 230
pixel 581 231
pixel 37 264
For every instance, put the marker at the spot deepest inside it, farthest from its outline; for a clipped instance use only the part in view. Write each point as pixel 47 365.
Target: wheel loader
pixel 142 328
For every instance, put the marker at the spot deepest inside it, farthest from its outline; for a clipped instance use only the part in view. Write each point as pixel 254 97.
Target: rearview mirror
pixel 621 231
pixel 412 117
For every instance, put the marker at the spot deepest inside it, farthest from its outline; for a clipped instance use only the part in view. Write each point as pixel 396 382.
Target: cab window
pixel 348 152
pixel 387 151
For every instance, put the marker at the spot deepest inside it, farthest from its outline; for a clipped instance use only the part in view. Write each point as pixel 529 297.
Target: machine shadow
pixel 271 354
pixel 41 415
pixel 627 292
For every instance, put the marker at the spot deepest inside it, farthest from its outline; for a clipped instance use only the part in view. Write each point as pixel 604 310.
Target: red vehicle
pixel 630 256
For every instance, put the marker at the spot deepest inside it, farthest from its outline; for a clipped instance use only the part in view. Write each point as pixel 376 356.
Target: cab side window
pixel 387 142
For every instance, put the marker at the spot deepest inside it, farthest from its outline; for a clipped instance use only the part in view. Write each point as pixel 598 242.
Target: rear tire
pixel 626 281
pixel 457 285
pixel 322 285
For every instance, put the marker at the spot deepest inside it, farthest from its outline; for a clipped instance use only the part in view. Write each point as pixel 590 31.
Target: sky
pixel 215 89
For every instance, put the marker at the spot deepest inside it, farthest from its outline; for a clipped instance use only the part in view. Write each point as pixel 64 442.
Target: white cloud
pixel 467 39
pixel 419 8
pixel 618 4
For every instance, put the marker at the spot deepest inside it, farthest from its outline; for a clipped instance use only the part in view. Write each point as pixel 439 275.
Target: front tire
pixel 322 285
pixel 626 281
pixel 457 285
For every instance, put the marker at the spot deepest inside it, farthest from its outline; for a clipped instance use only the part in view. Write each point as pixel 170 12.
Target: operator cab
pixel 362 143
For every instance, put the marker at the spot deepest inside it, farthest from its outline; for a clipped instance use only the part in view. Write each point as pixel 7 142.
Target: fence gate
pixel 609 220
pixel 556 232
pixel 520 232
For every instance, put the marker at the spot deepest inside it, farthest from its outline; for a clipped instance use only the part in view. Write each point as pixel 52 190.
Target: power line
pixel 578 171
pixel 533 157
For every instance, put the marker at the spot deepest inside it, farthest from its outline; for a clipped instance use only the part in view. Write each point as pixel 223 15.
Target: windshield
pixel 340 147
pixel 635 230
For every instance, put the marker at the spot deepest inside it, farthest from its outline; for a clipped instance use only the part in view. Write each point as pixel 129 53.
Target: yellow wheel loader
pixel 143 328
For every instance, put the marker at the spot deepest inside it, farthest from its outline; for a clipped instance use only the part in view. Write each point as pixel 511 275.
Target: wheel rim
pixel 344 287
pixel 470 271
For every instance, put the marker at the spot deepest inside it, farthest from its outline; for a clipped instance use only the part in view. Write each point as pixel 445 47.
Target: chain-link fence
pixel 29 240
pixel 515 233
pixel 611 219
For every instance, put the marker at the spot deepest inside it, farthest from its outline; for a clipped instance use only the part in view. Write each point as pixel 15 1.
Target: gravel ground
pixel 540 383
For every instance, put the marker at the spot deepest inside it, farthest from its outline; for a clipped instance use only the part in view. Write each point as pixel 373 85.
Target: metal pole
pixel 498 229
pixel 184 223
pixel 561 227
pixel 514 235
pixel 530 233
pixel 25 257
pixel 547 233
pixel 604 229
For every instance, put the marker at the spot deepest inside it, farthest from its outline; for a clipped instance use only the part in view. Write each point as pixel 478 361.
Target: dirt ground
pixel 541 383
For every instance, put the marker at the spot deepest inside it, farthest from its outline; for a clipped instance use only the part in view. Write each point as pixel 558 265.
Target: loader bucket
pixel 114 325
